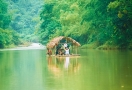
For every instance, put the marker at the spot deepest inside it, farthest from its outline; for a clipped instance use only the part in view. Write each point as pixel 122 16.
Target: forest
pixel 93 23
pixel 19 21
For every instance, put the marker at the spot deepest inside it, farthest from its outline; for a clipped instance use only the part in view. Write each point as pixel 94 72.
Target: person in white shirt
pixel 67 51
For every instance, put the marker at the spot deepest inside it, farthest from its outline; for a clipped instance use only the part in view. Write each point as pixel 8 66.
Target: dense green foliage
pixel 95 22
pixel 5 17
pixel 88 21
pixel 25 17
pixel 121 14
pixel 7 37
pixel 19 21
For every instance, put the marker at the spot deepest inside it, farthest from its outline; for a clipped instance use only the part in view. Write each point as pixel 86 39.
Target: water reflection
pixel 59 65
pixel 21 70
pixel 52 66
pixel 66 62
pixel 93 70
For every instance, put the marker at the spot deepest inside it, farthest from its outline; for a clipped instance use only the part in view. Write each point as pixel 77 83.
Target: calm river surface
pixel 31 69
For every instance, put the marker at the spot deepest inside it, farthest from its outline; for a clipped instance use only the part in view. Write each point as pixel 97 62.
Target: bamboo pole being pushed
pixel 76 49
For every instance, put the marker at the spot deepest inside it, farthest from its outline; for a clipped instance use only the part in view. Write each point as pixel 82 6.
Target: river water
pixel 31 69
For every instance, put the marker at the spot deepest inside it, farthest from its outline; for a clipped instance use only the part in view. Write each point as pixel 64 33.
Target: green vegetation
pixel 25 17
pixel 5 17
pixel 19 21
pixel 96 22
pixel 7 37
pixel 93 23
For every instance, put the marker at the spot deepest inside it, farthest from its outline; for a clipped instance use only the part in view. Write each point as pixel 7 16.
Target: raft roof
pixel 55 41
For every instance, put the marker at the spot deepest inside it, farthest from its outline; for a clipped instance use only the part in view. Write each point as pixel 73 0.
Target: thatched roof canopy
pixel 55 41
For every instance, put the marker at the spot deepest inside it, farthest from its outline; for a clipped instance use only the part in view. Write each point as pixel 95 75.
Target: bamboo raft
pixel 72 55
pixel 58 43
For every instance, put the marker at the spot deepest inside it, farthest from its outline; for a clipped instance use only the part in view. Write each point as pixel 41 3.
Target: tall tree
pixel 5 17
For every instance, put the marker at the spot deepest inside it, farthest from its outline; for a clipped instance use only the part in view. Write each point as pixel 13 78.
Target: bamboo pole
pixel 76 49
pixel 55 50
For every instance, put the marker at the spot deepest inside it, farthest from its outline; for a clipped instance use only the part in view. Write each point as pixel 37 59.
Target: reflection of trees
pixel 76 65
pixel 6 69
pixel 59 65
pixel 52 66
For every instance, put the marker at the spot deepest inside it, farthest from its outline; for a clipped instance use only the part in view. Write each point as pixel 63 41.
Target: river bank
pixel 105 47
pixel 26 47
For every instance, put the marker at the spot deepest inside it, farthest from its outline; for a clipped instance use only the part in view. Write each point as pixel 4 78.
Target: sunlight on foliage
pixel 113 5
pixel 88 21
pixel 120 15
pixel 74 7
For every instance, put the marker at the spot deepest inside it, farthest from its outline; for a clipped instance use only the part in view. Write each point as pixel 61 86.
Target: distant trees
pixel 25 18
pixel 89 21
pixel 7 37
pixel 25 15
pixel 5 17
